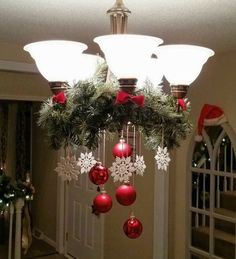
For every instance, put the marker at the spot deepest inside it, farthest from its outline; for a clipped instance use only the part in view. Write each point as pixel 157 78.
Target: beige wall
pixel 44 161
pixel 216 85
pixel 20 86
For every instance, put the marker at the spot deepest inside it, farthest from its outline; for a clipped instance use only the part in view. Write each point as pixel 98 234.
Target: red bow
pixel 182 104
pixel 59 98
pixel 124 97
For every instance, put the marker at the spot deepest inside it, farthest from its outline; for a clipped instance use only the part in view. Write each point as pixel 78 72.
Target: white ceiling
pixel 211 23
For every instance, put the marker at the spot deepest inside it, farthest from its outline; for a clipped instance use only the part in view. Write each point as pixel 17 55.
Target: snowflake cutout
pixel 86 162
pixel 163 158
pixel 67 168
pixel 122 169
pixel 139 165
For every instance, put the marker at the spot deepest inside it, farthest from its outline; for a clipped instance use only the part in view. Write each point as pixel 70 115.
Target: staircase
pixel 224 231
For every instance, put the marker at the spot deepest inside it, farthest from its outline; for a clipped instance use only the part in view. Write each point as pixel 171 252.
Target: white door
pixel 84 229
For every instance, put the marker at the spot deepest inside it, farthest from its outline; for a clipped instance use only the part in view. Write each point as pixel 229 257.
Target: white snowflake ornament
pixel 139 165
pixel 86 162
pixel 162 158
pixel 122 169
pixel 67 168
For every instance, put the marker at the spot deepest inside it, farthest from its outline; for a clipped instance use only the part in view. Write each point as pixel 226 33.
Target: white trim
pixel 215 121
pixel 42 236
pixel 23 98
pixel 161 206
pixel 49 241
pixel 60 230
pixel 18 67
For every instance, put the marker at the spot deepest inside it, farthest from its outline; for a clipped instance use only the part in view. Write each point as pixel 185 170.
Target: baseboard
pixel 37 233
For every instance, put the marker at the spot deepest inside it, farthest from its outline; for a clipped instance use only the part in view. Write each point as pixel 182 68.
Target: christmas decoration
pixel 67 168
pixel 162 158
pixel 124 97
pixel 133 227
pixel 11 190
pixel 59 98
pixel 182 104
pixel 86 161
pixel 126 194
pixel 122 169
pixel 102 203
pixel 90 107
pixel 210 115
pixel 139 165
pixel 122 149
pixel 98 174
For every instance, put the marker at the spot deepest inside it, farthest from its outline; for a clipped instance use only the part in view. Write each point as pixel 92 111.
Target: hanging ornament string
pixel 133 159
pixel 127 134
pixel 99 146
pixel 134 150
pixel 162 155
pixel 102 188
pixel 104 148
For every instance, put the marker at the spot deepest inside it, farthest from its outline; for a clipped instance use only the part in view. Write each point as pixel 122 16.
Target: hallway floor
pixel 39 249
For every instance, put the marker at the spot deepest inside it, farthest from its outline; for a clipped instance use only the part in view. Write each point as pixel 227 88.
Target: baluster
pixel 10 230
pixel 19 205
pixel 231 168
pixel 218 181
pixel 225 168
pixel 204 195
pixel 197 202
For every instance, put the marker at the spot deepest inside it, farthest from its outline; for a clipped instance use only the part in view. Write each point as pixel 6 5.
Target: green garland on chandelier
pixel 90 107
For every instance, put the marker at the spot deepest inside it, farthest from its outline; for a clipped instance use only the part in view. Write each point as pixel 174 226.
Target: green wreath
pixel 90 106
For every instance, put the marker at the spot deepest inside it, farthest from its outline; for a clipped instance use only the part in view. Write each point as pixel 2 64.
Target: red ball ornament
pixel 122 149
pixel 126 194
pixel 98 174
pixel 102 202
pixel 133 227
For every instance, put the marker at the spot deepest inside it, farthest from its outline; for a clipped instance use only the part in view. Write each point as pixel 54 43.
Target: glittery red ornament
pixel 133 227
pixel 122 149
pixel 126 194
pixel 98 174
pixel 102 202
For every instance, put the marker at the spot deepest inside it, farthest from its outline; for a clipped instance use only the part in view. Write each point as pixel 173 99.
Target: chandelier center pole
pixel 119 17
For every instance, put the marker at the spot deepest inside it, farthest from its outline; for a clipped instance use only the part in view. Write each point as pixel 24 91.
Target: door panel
pixel 84 229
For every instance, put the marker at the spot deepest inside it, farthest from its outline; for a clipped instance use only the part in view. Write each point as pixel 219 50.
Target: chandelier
pixel 129 57
pixel 122 94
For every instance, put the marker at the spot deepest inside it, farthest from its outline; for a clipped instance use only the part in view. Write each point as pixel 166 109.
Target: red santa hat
pixel 210 115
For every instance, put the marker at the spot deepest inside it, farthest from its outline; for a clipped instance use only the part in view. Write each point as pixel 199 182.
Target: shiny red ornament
pixel 122 149
pixel 126 194
pixel 98 174
pixel 133 227
pixel 102 203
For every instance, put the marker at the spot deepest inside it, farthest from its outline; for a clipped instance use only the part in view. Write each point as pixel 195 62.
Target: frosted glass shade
pixel 152 71
pixel 182 63
pixel 57 60
pixel 127 54
pixel 87 65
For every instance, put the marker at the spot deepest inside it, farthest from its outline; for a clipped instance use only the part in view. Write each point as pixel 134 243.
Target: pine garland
pixel 11 190
pixel 90 107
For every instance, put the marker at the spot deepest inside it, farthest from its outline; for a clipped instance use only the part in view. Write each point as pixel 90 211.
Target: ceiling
pixel 210 23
